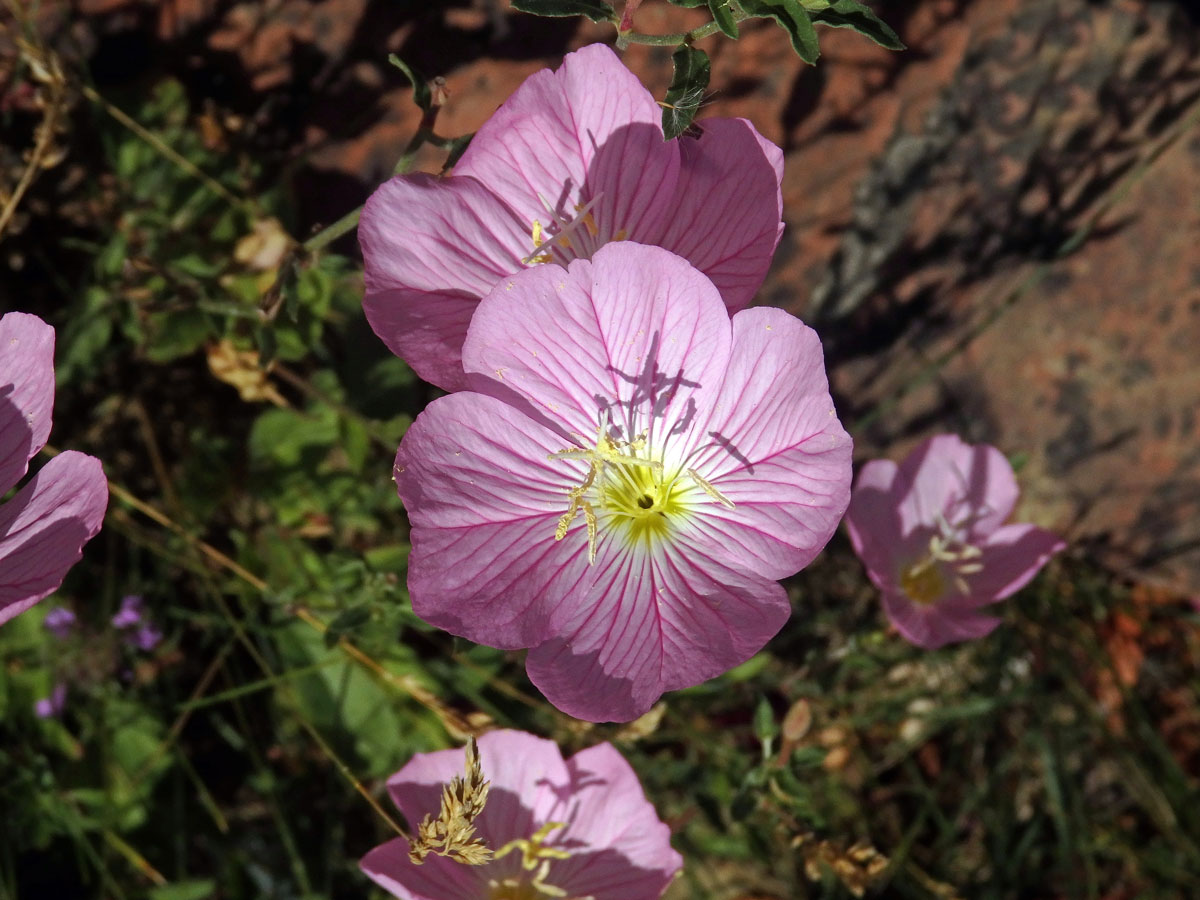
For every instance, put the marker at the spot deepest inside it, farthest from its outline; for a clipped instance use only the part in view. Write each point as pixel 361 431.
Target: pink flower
pixel 574 159
pixel 931 533
pixel 44 526
pixel 625 482
pixel 586 827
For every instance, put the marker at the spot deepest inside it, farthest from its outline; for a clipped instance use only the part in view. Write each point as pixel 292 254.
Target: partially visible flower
pixel 52 706
pixel 46 523
pixel 574 159
pixel 931 534
pixel 60 622
pixel 627 480
pixel 579 829
pixel 130 613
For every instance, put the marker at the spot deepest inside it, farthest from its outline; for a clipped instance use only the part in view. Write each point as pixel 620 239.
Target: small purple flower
pixel 577 828
pixel 52 706
pixel 130 613
pixel 46 523
pixel 60 622
pixel 931 534
pixel 146 638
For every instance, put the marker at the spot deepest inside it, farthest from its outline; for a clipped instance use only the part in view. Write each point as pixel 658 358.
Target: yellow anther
pixel 923 582
pixel 589 516
pixel 709 489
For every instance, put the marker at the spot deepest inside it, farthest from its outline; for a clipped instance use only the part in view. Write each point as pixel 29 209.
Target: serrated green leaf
pixel 596 10
pixel 723 16
pixel 794 19
pixel 861 18
pixel 422 96
pixel 684 96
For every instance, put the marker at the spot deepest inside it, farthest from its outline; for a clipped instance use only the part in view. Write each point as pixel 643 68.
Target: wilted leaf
pixel 263 249
pixel 241 369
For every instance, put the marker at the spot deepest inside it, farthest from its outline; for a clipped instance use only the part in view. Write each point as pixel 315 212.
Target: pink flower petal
pixel 726 215
pixel 609 810
pixel 775 448
pixel 588 131
pixel 437 878
pixel 937 624
pixel 636 330
pixel 44 527
pixel 966 482
pixel 484 502
pixel 1012 555
pixel 873 518
pixel 431 248
pixel 26 393
pixel 655 622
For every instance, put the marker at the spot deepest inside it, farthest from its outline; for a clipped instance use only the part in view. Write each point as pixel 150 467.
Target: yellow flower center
pixel 923 582
pixel 641 501
pixel 627 483
pixel 949 557
pixel 572 238
pixel 530 883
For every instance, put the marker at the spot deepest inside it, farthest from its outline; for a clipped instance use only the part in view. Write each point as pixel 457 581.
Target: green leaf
pixel 794 19
pixel 346 623
pixel 686 92
pixel 420 87
pixel 861 18
pixel 184 890
pixel 723 16
pixel 596 10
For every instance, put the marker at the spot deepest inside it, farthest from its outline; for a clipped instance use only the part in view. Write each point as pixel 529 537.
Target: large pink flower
pixel 44 526
pixel 608 844
pixel 626 480
pixel 574 159
pixel 931 533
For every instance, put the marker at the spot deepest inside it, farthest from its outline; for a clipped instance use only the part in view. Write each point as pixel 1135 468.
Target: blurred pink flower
pixel 605 840
pixel 44 526
pixel 931 534
pixel 626 480
pixel 575 158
